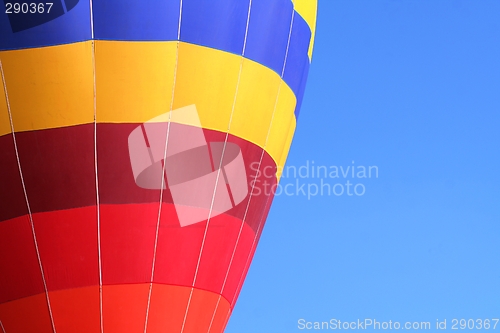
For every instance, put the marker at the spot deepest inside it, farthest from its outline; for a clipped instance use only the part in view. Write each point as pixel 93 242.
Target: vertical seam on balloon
pixel 98 211
pixel 246 29
pixel 91 19
pixel 26 199
pixel 226 320
pixel 3 328
pixel 163 172
pixel 101 316
pixel 260 163
pixel 160 204
pixel 247 264
pixel 220 163
pixel 179 26
pixel 287 47
pixel 215 312
pixel 267 201
pixel 96 170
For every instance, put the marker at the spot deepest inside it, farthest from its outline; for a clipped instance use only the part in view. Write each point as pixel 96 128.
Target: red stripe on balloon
pixel 20 272
pixel 67 242
pixel 12 201
pixel 59 172
pixel 27 315
pixel 127 242
pixel 58 167
pixel 117 185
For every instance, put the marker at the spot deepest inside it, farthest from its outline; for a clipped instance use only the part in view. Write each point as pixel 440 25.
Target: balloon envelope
pixel 140 146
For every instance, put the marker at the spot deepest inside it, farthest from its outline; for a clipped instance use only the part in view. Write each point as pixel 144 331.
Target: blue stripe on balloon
pixel 302 88
pixel 268 32
pixel 297 59
pixel 218 24
pixel 42 29
pixel 133 20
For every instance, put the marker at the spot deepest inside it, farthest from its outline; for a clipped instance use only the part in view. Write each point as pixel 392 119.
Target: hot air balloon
pixel 134 136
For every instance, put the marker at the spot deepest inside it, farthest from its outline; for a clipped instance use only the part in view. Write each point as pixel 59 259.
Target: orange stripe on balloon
pixel 168 307
pixel 124 310
pixel 76 310
pixel 124 307
pixel 4 112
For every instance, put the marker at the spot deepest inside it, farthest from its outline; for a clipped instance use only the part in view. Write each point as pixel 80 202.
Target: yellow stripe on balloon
pixel 4 113
pixel 308 10
pixel 53 87
pixel 283 123
pixel 49 87
pixel 255 102
pixel 286 148
pixel 134 80
pixel 205 77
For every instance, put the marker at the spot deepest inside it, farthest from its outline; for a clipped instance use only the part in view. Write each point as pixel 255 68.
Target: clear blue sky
pixel 412 87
